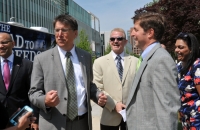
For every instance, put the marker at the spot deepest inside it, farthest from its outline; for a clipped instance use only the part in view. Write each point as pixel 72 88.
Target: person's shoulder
pixel 45 53
pixel 82 51
pixel 102 58
pixel 19 59
pixel 132 57
pixel 161 52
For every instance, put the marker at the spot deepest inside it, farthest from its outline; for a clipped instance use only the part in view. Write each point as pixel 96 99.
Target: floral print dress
pixel 190 99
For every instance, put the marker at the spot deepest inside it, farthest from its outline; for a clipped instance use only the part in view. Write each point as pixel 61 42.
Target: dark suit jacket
pixel 4 117
pixel 17 94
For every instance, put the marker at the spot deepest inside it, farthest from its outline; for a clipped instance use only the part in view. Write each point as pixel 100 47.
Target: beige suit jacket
pixel 107 79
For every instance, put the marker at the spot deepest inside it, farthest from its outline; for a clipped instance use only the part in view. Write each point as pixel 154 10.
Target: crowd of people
pixel 150 90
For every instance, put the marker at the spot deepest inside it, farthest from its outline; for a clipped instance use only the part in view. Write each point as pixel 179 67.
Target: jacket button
pixel 64 114
pixel 65 98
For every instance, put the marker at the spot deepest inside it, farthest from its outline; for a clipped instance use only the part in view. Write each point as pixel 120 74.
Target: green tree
pixel 84 42
pixel 181 16
pixel 108 49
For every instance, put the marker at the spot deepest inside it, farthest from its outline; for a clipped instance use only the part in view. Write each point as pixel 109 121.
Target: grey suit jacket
pixel 153 100
pixel 107 79
pixel 48 75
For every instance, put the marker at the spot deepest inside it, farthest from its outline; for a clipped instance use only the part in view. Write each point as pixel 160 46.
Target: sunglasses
pixel 183 35
pixel 118 39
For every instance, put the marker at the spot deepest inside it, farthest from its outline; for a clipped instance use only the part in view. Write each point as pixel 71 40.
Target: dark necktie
pixel 6 74
pixel 119 67
pixel 72 107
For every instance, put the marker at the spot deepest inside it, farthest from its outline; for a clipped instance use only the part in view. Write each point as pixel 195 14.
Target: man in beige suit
pixel 114 74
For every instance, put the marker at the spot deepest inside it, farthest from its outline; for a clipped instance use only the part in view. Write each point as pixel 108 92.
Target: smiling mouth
pixel 116 45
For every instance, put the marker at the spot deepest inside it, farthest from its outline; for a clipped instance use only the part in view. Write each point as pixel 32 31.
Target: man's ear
pixel 150 33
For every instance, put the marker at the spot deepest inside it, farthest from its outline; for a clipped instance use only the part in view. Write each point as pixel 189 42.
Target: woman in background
pixel 187 50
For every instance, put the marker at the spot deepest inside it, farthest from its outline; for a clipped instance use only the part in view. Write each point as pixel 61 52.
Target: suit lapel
pixel 140 72
pixel 82 63
pixel 2 85
pixel 127 63
pixel 111 63
pixel 57 62
pixel 17 63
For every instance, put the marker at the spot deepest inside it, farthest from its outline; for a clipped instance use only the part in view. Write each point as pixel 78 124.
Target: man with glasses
pixel 14 78
pixel 113 74
pixel 61 82
pixel 153 100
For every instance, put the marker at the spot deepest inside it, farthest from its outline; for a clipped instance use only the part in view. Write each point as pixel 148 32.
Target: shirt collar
pixel 115 55
pixel 148 49
pixel 10 58
pixel 63 52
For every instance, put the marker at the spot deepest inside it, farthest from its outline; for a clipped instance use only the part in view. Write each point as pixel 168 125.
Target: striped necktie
pixel 119 67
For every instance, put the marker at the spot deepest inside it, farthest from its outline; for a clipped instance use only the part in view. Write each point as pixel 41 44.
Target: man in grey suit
pixel 61 82
pixel 153 100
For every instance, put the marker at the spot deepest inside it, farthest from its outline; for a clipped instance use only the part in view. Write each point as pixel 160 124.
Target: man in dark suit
pixel 62 78
pixel 15 76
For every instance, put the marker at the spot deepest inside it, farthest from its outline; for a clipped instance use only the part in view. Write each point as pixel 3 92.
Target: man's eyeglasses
pixel 4 42
pixel 118 39
pixel 64 30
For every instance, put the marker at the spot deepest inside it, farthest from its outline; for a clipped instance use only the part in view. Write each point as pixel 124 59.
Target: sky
pixel 113 13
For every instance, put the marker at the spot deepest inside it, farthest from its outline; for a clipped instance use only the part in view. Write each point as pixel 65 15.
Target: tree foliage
pixel 84 42
pixel 181 16
pixel 108 49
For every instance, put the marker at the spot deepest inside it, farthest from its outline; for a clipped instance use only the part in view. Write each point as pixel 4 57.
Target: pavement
pixel 96 116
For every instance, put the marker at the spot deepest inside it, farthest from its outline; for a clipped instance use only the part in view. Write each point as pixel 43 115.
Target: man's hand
pixel 102 99
pixel 119 106
pixel 52 99
pixel 34 126
pixel 25 121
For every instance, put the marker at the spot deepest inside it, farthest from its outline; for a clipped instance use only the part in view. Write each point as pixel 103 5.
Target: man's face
pixel 139 35
pixel 65 36
pixel 117 42
pixel 6 45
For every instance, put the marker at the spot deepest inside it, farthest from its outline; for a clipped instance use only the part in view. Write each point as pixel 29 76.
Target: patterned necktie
pixel 72 108
pixel 6 74
pixel 119 67
pixel 138 63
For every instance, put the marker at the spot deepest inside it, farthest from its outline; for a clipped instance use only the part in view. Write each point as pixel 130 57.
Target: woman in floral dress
pixel 187 50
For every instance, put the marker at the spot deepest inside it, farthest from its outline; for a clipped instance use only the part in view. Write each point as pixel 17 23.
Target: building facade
pixel 41 13
pixel 136 50
pixel 85 21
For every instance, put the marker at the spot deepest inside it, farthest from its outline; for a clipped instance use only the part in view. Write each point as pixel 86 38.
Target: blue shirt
pixel 148 49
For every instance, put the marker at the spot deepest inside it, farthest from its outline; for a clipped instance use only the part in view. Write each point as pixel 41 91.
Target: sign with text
pixel 28 42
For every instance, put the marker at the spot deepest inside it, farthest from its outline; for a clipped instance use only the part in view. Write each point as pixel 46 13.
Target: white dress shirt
pixel 80 88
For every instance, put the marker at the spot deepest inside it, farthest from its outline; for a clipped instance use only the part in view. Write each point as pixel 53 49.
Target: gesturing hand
pixel 52 99
pixel 119 106
pixel 102 99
